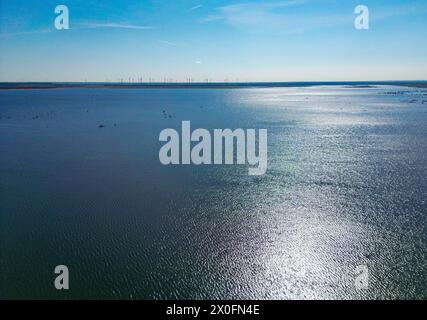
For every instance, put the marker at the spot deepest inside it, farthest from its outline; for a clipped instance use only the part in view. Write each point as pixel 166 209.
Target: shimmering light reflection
pixel 345 186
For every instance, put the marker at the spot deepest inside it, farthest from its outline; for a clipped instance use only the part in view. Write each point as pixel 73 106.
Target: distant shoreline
pixel 195 85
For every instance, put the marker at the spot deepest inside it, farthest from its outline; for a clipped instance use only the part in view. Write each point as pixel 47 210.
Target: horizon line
pixel 203 85
pixel 206 82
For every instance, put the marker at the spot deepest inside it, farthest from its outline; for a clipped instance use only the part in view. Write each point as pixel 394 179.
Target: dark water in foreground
pixel 346 186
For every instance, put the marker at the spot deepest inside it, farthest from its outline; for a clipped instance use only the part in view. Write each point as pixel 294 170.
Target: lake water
pixel 345 186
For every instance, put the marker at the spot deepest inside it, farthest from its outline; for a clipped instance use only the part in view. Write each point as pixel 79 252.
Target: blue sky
pixel 246 40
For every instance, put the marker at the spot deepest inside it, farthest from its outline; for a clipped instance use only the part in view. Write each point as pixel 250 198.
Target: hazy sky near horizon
pixel 243 40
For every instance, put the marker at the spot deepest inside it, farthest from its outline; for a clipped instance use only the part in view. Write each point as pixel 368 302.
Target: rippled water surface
pixel 346 186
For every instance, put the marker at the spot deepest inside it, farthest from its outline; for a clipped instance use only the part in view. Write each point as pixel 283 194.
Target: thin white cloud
pixel 252 14
pixel 196 7
pixel 116 26
pixel 80 26
pixel 276 16
pixel 198 62
pixel 169 43
pixel 24 33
